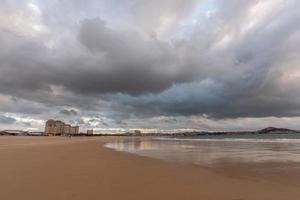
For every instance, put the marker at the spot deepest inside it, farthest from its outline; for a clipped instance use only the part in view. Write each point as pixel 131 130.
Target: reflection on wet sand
pixel 210 153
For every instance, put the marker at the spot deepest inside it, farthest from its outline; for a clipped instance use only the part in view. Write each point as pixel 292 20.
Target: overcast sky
pixel 159 64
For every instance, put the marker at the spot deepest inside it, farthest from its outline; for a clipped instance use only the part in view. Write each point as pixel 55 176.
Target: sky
pixel 159 65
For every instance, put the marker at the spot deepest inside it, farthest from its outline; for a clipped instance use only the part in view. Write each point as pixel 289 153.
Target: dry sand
pixel 58 168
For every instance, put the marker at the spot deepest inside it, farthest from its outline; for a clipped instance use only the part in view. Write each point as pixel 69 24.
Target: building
pixel 90 132
pixel 67 129
pixel 56 127
pixel 74 130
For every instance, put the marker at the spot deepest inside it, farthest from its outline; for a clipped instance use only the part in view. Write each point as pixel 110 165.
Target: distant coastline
pixel 269 130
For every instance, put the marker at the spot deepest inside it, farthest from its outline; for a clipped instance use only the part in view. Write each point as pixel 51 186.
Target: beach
pixel 61 168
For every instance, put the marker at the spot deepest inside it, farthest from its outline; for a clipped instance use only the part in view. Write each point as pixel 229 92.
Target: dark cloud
pixel 131 64
pixel 70 112
pixel 118 62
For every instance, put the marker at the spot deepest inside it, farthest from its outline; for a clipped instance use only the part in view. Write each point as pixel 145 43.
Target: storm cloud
pixel 118 63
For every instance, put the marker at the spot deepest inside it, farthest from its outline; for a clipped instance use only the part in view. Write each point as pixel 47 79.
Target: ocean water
pixel 213 151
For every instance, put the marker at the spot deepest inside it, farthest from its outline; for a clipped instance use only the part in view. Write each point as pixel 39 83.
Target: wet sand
pixel 58 168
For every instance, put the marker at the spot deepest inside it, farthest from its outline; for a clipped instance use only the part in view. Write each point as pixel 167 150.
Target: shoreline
pixel 85 169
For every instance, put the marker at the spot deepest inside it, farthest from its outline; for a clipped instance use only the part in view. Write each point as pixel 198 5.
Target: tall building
pixel 56 127
pixel 67 129
pixel 74 130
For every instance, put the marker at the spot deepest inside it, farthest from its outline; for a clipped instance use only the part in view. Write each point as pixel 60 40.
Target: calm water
pixel 212 151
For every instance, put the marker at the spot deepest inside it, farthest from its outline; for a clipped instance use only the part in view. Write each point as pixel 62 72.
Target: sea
pixel 282 150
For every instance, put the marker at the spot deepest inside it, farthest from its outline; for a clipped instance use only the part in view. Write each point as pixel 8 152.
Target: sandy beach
pixel 59 168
